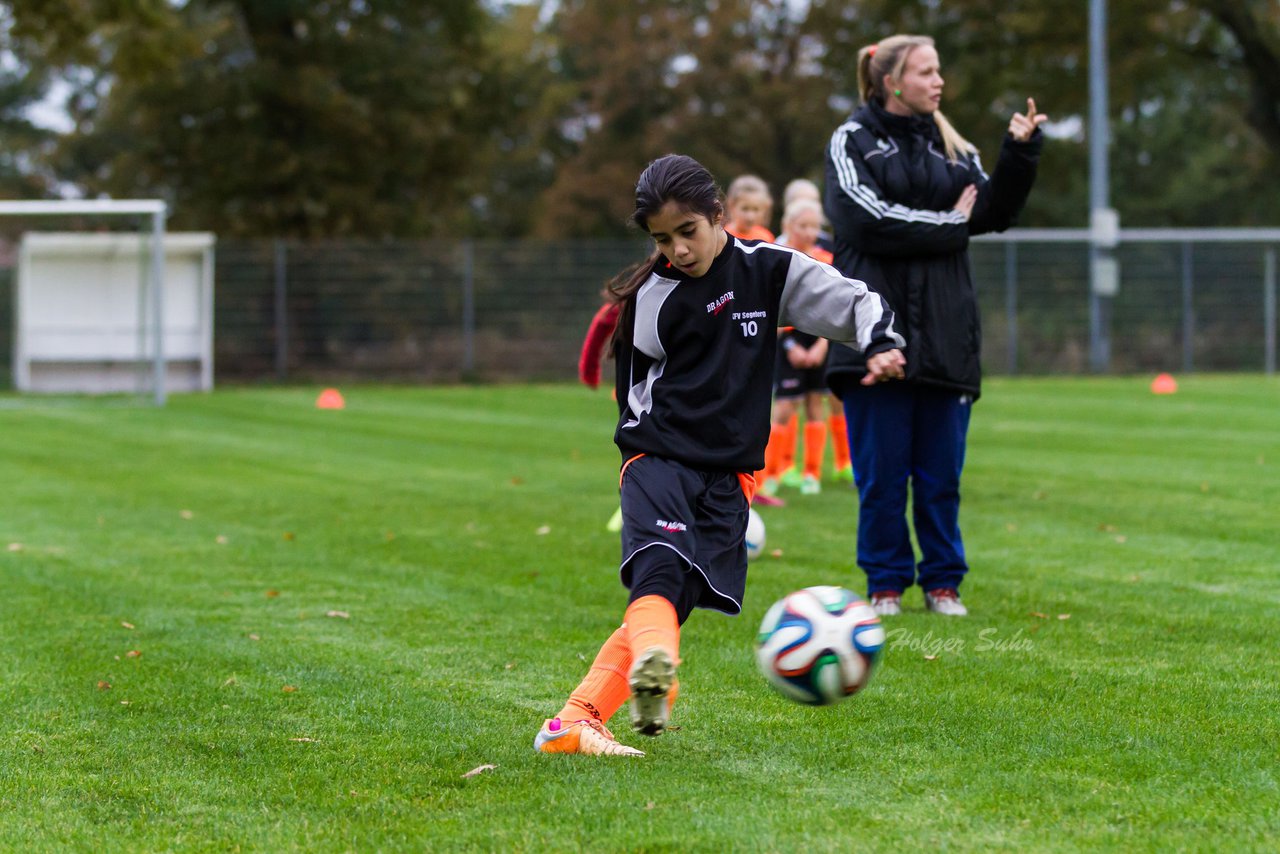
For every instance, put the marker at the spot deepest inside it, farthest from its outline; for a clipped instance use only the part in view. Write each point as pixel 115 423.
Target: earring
pixel 897 93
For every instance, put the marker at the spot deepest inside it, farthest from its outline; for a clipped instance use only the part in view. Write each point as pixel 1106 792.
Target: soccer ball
pixel 755 535
pixel 818 645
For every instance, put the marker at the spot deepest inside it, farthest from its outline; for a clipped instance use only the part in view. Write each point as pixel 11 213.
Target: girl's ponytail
pixel 866 80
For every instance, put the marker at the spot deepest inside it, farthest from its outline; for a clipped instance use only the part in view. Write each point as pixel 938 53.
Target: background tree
pixel 280 118
pixel 455 117
pixel 23 145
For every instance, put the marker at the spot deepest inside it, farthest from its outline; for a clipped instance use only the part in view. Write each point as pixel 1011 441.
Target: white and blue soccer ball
pixel 819 645
pixel 755 534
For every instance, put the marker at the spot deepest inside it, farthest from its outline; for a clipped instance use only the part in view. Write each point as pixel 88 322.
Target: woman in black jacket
pixel 904 193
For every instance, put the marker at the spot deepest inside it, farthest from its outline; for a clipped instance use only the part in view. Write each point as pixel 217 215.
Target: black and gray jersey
pixel 695 356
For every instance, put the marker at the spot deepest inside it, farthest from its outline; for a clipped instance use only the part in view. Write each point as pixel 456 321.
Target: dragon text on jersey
pixel 718 305
pixel 672 526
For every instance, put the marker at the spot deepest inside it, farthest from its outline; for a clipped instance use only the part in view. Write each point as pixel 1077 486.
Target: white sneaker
pixel 810 485
pixel 887 603
pixel 945 601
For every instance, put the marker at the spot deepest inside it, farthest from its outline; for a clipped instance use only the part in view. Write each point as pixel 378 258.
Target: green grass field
pixel 314 624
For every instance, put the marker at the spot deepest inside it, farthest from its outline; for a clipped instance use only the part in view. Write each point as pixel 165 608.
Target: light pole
pixel 1104 222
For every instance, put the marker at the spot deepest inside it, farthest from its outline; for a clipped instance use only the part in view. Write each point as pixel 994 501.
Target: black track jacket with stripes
pixel 695 356
pixel 889 195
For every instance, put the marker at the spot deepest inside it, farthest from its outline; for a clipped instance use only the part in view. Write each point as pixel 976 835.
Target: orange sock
pixel 651 621
pixel 605 687
pixel 788 459
pixel 773 453
pixel 839 440
pixel 815 447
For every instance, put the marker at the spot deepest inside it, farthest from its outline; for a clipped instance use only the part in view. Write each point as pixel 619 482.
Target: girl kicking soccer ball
pixel 694 349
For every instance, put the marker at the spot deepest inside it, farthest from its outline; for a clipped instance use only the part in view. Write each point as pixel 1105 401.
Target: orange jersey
pixel 817 253
pixel 756 232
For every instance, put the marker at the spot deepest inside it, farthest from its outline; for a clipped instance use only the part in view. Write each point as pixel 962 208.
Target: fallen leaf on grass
pixel 1038 614
pixel 1121 538
pixel 133 653
pixel 126 625
pixel 186 514
pixel 220 540
pixel 15 547
pixel 103 685
pixel 271 594
pixel 124 702
pixel 650 805
pixel 289 536
pixel 543 531
pixel 231 680
pixel 478 770
pixel 289 689
pixel 340 614
pixel 304 739
pixel 509 665
pixel 776 553
pixel 1064 616
pixel 254 637
pixel 931 658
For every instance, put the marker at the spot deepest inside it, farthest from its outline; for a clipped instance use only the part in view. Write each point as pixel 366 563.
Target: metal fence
pixel 493 310
pixel 1189 300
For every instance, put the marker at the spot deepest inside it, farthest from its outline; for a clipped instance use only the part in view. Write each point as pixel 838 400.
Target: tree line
pixel 449 118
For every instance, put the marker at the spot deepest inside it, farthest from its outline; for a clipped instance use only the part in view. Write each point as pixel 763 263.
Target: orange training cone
pixel 330 398
pixel 1164 384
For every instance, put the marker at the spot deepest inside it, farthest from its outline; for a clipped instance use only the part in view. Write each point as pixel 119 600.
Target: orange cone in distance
pixel 1164 384
pixel 330 398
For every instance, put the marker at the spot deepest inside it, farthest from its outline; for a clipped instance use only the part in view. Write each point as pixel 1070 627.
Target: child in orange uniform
pixel 800 377
pixel 749 207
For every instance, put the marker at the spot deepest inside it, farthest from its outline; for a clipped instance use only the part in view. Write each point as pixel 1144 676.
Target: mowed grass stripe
pixel 461 532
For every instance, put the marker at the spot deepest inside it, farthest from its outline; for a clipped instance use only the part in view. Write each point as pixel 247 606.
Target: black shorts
pixel 789 382
pixel 700 516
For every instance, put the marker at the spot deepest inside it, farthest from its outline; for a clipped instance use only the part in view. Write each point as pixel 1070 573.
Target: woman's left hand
pixel 1021 127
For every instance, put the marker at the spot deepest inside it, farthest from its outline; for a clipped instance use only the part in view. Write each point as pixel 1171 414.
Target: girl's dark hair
pixel 674 178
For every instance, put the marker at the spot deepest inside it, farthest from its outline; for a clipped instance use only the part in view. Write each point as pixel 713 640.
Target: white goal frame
pixel 158 211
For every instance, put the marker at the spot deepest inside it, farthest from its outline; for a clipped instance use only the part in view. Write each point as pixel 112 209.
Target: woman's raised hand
pixel 1022 126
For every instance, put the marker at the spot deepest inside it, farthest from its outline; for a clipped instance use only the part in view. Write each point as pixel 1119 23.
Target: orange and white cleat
pixel 590 738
